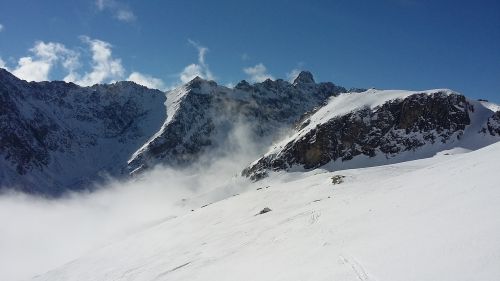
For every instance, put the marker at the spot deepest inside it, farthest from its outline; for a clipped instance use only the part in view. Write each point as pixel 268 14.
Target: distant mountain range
pixel 57 136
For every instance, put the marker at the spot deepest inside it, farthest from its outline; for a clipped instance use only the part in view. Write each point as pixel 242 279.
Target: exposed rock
pixel 57 136
pixel 338 179
pixel 304 77
pixel 394 127
pixel 265 210
pixel 204 117
pixel 243 85
pixel 494 124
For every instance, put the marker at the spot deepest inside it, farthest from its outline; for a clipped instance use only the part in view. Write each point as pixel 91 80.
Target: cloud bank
pixel 44 57
pixel 37 235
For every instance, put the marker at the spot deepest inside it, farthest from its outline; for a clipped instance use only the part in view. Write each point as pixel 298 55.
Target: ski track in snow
pixel 356 268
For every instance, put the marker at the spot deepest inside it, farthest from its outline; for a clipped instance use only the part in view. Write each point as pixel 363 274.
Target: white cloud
pixel 245 57
pixel 1 27
pixel 119 10
pixel 2 64
pixel 146 80
pixel 257 73
pixel 202 51
pixel 32 70
pixel 104 66
pixel 190 72
pixel 45 55
pixel 200 69
pixel 293 74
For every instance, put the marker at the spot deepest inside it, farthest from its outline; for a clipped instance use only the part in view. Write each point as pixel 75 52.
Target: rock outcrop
pixel 494 124
pixel 396 126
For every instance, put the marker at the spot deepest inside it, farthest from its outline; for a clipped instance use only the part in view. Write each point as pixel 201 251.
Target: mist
pixel 37 234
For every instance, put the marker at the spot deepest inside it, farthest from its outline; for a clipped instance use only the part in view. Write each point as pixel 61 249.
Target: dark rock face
pixel 207 113
pixel 263 211
pixel 304 77
pixel 396 126
pixel 57 136
pixel 494 124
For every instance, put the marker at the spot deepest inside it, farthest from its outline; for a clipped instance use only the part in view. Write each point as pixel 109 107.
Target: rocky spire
pixel 304 77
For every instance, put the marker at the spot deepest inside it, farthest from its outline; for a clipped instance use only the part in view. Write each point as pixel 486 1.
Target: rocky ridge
pixel 408 123
pixel 57 136
pixel 202 114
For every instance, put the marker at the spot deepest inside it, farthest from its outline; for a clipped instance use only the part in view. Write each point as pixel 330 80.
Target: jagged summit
pixel 243 85
pixel 201 85
pixel 304 77
pixel 196 80
pixel 201 114
pixel 58 136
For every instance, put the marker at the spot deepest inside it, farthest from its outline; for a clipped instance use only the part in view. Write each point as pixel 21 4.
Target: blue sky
pixel 387 44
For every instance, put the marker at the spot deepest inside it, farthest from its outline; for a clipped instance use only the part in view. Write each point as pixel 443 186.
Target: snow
pixel 349 102
pixel 345 103
pixel 429 219
pixel 491 106
pixel 172 104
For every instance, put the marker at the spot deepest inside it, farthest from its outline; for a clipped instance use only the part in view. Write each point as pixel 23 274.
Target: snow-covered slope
pixel 429 219
pixel 381 127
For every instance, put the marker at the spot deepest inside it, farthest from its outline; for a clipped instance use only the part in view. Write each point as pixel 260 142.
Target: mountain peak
pixel 304 77
pixel 4 73
pixel 198 82
pixel 243 85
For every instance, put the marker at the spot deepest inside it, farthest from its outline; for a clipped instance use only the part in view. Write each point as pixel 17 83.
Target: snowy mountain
pixel 429 219
pixel 352 184
pixel 202 114
pixel 381 127
pixel 57 136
